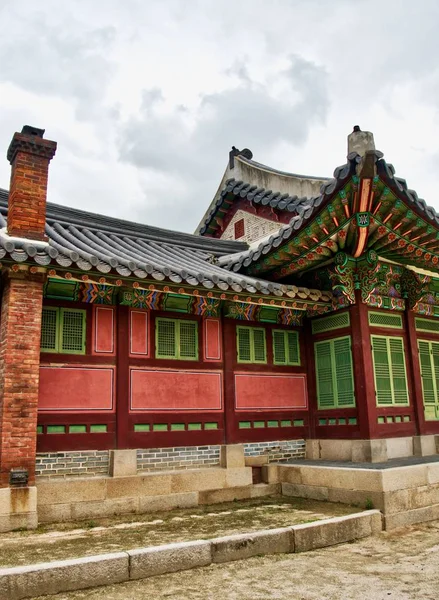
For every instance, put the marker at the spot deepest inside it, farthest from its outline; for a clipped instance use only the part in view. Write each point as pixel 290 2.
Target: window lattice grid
pixel 335 321
pixel 427 325
pixel 176 339
pixel 49 330
pixel 286 347
pixel 251 345
pixel 382 319
pixel 244 347
pixel 259 349
pixel 166 338
pixel 188 340
pixel 72 331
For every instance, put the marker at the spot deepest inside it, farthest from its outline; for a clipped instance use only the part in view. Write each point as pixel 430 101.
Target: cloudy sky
pixel 146 97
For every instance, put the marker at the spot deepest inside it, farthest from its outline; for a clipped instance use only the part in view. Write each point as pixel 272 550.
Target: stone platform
pixel 405 490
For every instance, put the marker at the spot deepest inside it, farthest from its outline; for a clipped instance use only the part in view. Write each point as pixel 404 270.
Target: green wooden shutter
pixel 286 347
pixel 427 372
pixel 435 360
pixel 293 347
pixel 259 346
pixel 166 338
pixel 343 371
pixel 325 375
pixel 381 365
pixel 279 349
pixel 72 331
pixel 188 342
pixel 390 372
pixel 243 344
pixel 399 375
pixel 49 330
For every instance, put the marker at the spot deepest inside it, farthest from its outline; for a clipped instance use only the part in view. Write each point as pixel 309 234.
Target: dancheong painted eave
pixel 86 242
pixel 364 193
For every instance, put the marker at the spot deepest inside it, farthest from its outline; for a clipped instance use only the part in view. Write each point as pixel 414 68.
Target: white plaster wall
pixel 255 228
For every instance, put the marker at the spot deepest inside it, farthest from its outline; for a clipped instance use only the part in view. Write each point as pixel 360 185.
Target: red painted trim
pixel 146 353
pixel 96 349
pixel 178 372
pixel 273 376
pixel 218 356
pixel 77 368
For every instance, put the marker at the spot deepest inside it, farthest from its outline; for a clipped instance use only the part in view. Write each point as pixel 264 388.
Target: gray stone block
pixel 236 547
pixel 63 576
pixel 338 530
pixel 146 562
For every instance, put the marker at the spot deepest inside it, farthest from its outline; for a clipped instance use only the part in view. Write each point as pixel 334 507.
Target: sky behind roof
pixel 146 97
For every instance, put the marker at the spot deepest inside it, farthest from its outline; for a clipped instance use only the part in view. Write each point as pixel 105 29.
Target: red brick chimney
pixel 29 155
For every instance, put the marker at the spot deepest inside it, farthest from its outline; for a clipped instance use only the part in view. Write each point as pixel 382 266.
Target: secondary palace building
pixel 303 316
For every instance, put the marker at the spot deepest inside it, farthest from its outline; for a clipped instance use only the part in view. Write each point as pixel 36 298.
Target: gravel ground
pixel 71 540
pixel 400 565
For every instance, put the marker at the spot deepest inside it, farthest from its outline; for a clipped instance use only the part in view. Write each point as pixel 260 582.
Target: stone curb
pixel 17 583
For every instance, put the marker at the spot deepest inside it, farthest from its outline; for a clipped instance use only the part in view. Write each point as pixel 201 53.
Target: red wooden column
pixel 122 378
pixel 363 369
pixel 415 371
pixel 311 377
pixel 20 332
pixel 229 351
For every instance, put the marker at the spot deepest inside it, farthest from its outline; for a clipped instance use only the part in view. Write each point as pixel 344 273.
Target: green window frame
pixel 389 371
pixel 251 345
pixel 63 330
pixel 286 350
pixel 176 339
pixel 334 373
pixel 429 363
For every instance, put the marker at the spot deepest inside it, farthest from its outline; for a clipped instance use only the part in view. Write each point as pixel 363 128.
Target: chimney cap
pixel 35 131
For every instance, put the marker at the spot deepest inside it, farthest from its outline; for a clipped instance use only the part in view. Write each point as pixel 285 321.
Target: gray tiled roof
pixel 256 195
pixel 95 242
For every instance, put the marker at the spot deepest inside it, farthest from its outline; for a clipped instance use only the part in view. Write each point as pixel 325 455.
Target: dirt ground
pixel 71 540
pixel 400 565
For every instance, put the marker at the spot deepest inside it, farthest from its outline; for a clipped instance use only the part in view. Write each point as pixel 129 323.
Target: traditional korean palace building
pixel 303 315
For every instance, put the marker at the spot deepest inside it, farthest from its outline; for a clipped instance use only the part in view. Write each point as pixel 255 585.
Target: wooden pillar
pixel 310 377
pixel 229 351
pixel 122 378
pixel 363 369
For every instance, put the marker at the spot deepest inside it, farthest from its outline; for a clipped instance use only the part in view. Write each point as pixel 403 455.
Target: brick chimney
pixel 29 155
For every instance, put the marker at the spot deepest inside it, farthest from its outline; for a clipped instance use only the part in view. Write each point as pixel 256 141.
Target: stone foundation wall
pixel 90 463
pixel 183 457
pixel 277 451
pixel 95 463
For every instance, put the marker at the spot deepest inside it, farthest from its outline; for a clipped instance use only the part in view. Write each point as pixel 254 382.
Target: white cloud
pixel 146 97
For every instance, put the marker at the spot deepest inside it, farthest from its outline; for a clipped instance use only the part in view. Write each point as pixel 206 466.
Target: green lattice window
pixel 427 325
pixel 385 319
pixel 63 330
pixel 176 339
pixel 334 321
pixel 334 373
pixel 286 347
pixel 389 370
pixel 429 361
pixel 251 345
